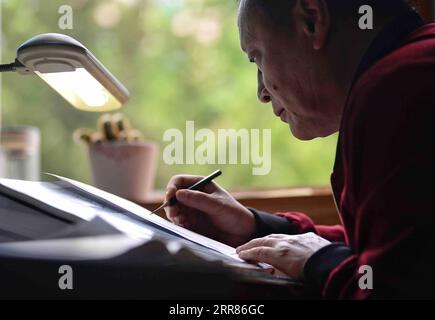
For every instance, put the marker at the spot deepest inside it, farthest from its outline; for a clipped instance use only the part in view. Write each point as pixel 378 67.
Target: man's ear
pixel 316 21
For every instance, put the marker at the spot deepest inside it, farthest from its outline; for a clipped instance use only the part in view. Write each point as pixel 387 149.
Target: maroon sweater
pixel 384 175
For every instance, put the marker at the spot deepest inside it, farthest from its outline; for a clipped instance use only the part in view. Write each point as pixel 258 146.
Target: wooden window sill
pixel 315 202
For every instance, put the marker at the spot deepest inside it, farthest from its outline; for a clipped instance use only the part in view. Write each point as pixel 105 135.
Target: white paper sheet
pixel 141 213
pixel 90 202
pixel 51 198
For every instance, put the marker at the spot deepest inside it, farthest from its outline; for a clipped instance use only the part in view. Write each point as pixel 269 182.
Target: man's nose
pixel 263 94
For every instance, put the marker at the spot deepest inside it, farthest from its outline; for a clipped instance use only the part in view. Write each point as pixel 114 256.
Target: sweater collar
pixel 389 39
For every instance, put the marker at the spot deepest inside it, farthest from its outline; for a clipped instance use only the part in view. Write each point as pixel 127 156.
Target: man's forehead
pixel 246 29
pixel 246 38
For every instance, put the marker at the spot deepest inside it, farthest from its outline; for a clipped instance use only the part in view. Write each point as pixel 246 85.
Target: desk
pixel 316 202
pixel 127 279
pixel 136 278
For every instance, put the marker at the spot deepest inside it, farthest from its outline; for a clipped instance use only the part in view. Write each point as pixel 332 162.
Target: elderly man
pixel 322 73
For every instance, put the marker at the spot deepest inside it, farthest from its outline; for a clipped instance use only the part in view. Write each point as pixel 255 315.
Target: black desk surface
pixel 123 277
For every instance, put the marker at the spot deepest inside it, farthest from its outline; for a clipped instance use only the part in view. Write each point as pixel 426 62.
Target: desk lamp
pixel 71 70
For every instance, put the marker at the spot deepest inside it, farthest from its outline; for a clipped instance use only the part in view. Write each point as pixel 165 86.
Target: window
pixel 181 61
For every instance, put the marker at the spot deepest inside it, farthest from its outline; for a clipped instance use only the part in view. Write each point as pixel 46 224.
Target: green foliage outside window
pixel 181 61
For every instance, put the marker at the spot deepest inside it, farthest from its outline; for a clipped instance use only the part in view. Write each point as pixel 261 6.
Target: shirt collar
pixel 389 39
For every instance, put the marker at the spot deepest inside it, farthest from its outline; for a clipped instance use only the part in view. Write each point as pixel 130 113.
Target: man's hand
pixel 286 253
pixel 212 212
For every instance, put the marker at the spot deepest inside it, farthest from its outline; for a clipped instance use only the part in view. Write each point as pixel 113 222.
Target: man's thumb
pixel 196 199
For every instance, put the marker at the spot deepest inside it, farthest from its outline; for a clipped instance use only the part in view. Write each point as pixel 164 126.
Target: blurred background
pixel 181 61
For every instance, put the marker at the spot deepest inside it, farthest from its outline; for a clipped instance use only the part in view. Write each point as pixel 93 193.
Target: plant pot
pixel 126 169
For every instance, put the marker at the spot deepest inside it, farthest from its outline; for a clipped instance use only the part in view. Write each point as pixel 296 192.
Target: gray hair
pixel 279 10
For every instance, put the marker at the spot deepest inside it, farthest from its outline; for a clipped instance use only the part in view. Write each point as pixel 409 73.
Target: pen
pixel 197 186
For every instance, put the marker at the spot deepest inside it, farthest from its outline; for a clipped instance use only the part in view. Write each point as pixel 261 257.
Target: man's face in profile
pixel 290 72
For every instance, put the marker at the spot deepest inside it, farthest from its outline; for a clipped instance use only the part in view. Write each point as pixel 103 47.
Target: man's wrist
pixel 267 223
pixel 319 266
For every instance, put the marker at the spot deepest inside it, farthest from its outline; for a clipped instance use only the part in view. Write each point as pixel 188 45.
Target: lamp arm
pixel 11 67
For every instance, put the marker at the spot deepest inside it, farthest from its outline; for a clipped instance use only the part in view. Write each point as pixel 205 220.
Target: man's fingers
pixel 197 200
pixel 172 212
pixel 259 254
pixel 278 236
pixel 260 242
pixel 170 192
pixel 184 182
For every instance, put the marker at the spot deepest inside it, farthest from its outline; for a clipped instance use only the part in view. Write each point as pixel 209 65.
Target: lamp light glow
pixel 71 70
pixel 81 90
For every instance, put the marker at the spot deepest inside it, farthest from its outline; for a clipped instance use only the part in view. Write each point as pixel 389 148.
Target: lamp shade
pixel 73 71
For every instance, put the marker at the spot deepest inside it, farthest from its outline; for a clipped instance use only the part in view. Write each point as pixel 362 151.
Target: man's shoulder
pixel 406 71
pixel 397 92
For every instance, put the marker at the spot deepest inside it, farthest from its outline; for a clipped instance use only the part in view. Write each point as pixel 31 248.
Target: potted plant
pixel 121 161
